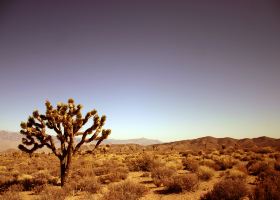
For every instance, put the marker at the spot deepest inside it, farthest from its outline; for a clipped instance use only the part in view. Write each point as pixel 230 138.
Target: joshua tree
pixel 66 122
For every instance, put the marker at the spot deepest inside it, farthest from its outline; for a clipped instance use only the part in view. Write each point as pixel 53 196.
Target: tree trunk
pixel 63 171
pixel 65 165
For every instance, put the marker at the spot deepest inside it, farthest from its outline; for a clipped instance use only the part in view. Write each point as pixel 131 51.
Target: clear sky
pixel 167 70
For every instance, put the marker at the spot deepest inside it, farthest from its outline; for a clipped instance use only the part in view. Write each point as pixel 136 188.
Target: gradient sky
pixel 167 70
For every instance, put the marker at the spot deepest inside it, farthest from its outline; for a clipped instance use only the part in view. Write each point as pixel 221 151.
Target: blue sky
pixel 167 71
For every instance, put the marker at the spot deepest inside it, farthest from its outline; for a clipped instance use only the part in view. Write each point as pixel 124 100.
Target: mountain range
pixel 10 140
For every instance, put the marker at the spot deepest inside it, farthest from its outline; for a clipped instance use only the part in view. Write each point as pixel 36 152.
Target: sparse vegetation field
pixel 143 172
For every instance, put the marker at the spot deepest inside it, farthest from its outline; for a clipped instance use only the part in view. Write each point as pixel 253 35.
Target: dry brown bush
pixel 209 163
pixel 268 187
pixel 89 184
pixel 225 162
pixel 143 162
pixel 190 164
pixel 146 174
pixel 264 150
pixel 160 174
pixel 10 195
pixel 205 173
pixel 126 190
pixel 179 183
pixel 227 189
pixel 256 167
pixel 234 174
pixel 56 193
pixel 277 165
pixel 241 167
pixel 115 175
pixel 6 181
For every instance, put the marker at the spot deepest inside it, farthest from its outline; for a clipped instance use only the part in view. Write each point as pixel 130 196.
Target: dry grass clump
pixel 6 180
pixel 143 162
pixel 108 171
pixel 268 187
pixel 227 189
pixel 180 183
pixel 126 190
pixel 234 174
pixel 115 175
pixel 225 162
pixel 277 165
pixel 264 150
pixel 89 184
pixel 205 173
pixel 10 195
pixel 256 167
pixel 241 167
pixel 174 163
pixel 190 164
pixel 161 174
pixel 209 163
pixel 146 174
pixel 56 193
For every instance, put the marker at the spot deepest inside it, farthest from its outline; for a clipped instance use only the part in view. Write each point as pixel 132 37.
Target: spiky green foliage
pixel 66 121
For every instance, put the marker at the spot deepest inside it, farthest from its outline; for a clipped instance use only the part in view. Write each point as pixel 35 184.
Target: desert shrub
pixel 38 189
pixel 160 174
pixel 42 177
pixel 225 162
pixel 28 182
pixel 237 155
pixel 105 167
pixel 205 173
pixel 6 181
pixel 56 193
pixel 115 175
pixel 174 163
pixel 89 184
pixel 268 187
pixel 127 190
pixel 190 164
pixel 146 174
pixel 111 170
pixel 179 183
pixel 98 171
pixel 256 167
pixel 17 187
pixel 227 189
pixel 264 150
pixel 255 156
pixel 277 165
pixel 143 162
pixel 10 195
pixel 277 156
pixel 84 171
pixel 241 167
pixel 209 163
pixel 234 174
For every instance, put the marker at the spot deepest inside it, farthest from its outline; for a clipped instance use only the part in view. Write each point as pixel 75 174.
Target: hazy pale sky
pixel 167 70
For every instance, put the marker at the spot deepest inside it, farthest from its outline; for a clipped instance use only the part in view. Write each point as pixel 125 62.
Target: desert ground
pixel 206 169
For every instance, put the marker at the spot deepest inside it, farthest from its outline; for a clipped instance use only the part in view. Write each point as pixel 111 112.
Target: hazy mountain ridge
pixel 10 140
pixel 209 142
pixel 140 141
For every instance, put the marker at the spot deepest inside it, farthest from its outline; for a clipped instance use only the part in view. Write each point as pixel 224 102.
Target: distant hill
pixel 140 141
pixel 10 141
pixel 218 143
